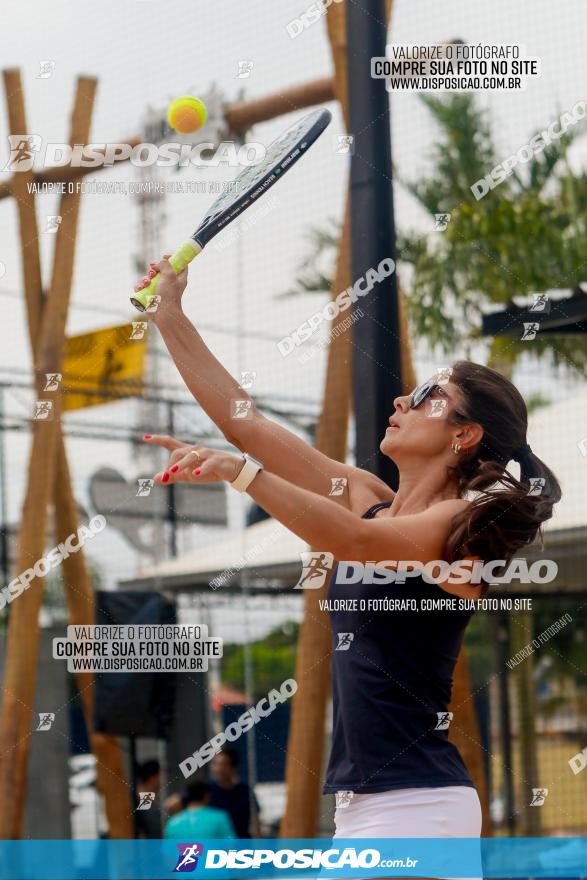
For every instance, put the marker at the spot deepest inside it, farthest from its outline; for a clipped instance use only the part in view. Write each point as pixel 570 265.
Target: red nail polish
pixel 165 477
pixel 197 472
pixel 174 468
pixel 147 436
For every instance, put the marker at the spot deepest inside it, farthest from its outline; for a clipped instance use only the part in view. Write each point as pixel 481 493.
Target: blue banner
pixel 558 857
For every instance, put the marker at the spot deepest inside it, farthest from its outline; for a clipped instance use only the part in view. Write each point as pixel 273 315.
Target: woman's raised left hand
pixel 193 463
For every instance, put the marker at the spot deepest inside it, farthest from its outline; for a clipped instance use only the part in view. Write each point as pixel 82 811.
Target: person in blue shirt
pixel 228 793
pixel 199 820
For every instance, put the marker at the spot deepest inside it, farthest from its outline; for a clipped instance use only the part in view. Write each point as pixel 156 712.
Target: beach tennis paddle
pixel 247 187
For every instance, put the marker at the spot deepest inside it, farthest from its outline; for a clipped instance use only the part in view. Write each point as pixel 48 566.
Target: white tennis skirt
pixel 447 811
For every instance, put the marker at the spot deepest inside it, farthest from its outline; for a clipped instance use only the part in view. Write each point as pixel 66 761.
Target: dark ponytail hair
pixel 502 516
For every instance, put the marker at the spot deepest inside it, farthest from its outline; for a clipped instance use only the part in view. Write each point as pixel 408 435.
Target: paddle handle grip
pixel 142 299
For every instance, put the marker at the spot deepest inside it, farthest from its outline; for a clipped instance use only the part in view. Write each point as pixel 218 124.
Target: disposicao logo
pixel 187 860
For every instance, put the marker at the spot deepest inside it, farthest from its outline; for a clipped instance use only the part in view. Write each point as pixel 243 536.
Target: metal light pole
pixel 376 336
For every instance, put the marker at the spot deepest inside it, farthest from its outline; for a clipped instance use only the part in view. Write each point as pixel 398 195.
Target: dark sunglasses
pixel 422 392
pixel 419 394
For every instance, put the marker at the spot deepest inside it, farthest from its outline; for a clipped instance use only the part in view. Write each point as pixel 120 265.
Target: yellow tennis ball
pixel 187 114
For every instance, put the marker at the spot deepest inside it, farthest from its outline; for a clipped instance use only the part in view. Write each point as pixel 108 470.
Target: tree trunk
pixel 525 725
pixel 409 377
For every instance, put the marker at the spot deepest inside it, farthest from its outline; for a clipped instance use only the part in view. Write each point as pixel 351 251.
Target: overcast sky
pixel 148 51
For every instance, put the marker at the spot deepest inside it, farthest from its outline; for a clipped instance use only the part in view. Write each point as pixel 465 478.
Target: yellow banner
pixel 104 366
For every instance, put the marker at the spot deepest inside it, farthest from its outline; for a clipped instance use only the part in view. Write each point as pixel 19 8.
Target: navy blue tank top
pixel 391 689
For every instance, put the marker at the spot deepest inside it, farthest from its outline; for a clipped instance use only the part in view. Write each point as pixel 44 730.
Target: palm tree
pixel 527 235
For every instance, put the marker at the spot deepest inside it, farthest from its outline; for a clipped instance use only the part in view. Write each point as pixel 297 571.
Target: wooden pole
pixel 305 748
pixel 239 117
pixel 409 376
pixel 78 587
pixel 25 204
pixel 10 734
pixel 464 733
pixel 522 633
pixel 23 633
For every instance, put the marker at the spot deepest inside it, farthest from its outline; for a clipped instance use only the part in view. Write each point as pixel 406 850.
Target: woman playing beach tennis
pixel 392 767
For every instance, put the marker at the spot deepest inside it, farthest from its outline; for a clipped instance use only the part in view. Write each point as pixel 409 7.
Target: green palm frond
pixel 527 235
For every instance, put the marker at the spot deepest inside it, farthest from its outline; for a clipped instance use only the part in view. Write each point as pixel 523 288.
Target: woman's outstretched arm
pixel 280 450
pixel 317 519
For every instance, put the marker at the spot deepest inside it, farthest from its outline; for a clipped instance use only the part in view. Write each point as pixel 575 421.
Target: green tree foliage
pixel 273 660
pixel 527 235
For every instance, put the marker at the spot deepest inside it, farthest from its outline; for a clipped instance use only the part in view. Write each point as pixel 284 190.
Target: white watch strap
pixel 247 474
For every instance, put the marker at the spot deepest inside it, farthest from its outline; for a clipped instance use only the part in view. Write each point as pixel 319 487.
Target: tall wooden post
pixel 46 321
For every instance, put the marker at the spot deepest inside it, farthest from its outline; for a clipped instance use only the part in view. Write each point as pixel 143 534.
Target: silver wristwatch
pixel 247 473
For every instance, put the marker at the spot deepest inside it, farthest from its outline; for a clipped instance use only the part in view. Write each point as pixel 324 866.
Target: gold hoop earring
pixel 456 448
